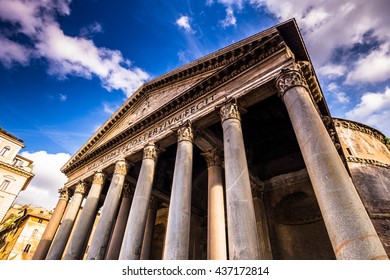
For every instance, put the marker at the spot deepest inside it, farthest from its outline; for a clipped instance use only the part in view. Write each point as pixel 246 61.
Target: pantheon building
pixel 232 156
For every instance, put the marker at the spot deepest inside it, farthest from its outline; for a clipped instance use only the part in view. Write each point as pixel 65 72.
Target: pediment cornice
pixel 229 64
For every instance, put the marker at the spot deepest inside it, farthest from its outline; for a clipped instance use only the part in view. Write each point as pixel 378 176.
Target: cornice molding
pixel 360 128
pixel 259 51
pixel 367 161
pixel 16 170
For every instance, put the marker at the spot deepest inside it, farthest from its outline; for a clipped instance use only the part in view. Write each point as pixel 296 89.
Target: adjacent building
pixel 233 156
pixel 21 231
pixel 15 170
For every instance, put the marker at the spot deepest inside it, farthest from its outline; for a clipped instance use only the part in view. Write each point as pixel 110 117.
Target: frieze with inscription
pixel 153 132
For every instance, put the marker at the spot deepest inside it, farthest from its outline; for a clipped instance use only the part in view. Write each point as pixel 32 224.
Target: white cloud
pixel 66 55
pixel 340 96
pixel 230 19
pixel 63 97
pixel 332 70
pixel 374 110
pixel 91 29
pixel 43 189
pixel 11 53
pixel 109 109
pixel 184 22
pixel 372 68
pixel 328 25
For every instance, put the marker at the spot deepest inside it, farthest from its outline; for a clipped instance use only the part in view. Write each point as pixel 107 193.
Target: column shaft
pixel 120 225
pixel 102 233
pixel 83 227
pixel 149 229
pixel 179 215
pixel 216 234
pixel 57 248
pixel 242 232
pixel 135 228
pixel 262 226
pixel 52 226
pixel 349 227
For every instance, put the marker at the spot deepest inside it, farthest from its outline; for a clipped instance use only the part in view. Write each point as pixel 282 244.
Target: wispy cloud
pixel 230 19
pixel 66 55
pixel 184 22
pixel 91 29
pixel 63 97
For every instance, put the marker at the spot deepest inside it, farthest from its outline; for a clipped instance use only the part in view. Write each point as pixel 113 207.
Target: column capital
pixel 150 151
pixel 80 188
pixel 98 178
pixel 121 167
pixel 127 190
pixel 155 203
pixel 64 195
pixel 184 133
pixel 213 157
pixel 230 110
pixel 289 78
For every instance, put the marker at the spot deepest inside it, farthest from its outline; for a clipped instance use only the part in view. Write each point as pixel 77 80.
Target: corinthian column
pixel 52 226
pixel 109 210
pixel 135 228
pixel 216 237
pixel 120 224
pixel 149 228
pixel 349 227
pixel 178 228
pixel 83 227
pixel 61 238
pixel 242 232
pixel 265 250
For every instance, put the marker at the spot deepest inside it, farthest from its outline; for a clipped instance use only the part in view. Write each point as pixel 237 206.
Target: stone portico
pixel 233 156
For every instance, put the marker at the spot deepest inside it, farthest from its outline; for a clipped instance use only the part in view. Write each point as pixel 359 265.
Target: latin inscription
pixel 153 132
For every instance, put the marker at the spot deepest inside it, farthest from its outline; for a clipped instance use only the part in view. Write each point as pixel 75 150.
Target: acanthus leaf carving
pixel 184 133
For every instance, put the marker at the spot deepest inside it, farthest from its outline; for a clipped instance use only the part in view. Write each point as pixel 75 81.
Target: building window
pixel 35 232
pixel 349 151
pixel 27 248
pixel 17 162
pixel 40 221
pixel 4 151
pixel 4 185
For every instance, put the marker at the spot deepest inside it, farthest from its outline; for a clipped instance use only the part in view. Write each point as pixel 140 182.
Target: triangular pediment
pixel 216 68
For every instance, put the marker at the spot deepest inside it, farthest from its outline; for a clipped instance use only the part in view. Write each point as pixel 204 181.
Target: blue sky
pixel 66 66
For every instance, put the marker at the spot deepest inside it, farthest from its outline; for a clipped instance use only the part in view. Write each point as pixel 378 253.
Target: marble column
pixel 349 227
pixel 149 229
pixel 177 235
pixel 135 228
pixel 262 224
pixel 242 229
pixel 120 225
pixel 216 234
pixel 104 227
pixel 57 248
pixel 83 227
pixel 52 226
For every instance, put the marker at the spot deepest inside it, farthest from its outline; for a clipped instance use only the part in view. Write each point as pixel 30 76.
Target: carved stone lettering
pixel 153 132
